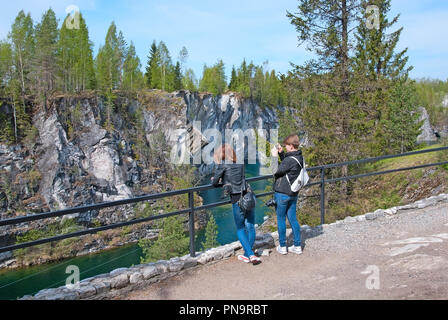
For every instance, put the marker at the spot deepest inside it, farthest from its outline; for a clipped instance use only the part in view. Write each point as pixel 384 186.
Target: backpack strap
pixel 299 165
pixel 297 161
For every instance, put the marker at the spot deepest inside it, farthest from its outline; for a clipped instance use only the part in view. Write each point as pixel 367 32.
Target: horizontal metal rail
pixel 192 208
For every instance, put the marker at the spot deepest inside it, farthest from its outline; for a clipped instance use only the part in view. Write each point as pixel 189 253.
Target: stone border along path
pixel 120 282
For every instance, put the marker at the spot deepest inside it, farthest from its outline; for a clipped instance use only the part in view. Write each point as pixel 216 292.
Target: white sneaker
pixel 282 250
pixel 294 249
pixel 255 260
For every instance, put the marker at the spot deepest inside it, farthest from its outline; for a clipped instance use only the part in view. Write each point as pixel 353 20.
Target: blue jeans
pixel 245 229
pixel 286 207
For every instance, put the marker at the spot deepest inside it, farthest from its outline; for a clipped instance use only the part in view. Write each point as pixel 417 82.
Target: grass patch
pixel 388 190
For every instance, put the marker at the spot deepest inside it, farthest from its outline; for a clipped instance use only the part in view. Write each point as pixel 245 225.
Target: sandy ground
pixel 404 256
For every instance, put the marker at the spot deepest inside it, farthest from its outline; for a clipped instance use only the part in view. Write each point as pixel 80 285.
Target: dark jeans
pixel 286 207
pixel 245 229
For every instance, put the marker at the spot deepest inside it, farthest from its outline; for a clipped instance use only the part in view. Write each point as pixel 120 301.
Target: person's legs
pixel 281 207
pixel 292 218
pixel 250 227
pixel 238 216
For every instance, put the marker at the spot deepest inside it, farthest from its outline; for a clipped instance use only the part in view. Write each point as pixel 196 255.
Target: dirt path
pixel 404 256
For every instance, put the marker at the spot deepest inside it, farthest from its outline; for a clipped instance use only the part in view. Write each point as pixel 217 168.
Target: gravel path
pixel 402 256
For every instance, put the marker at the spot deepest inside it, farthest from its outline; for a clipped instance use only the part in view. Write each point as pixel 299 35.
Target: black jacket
pixel 229 173
pixel 290 167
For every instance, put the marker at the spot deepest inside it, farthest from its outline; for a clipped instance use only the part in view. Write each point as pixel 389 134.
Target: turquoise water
pixel 17 283
pixel 223 215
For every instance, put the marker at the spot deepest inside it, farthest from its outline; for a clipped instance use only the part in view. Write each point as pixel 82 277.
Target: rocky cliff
pixel 228 111
pixel 84 152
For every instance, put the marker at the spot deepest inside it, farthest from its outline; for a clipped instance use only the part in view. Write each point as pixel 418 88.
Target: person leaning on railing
pixel 285 199
pixel 230 174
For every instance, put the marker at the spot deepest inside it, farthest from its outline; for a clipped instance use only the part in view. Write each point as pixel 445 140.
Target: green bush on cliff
pixel 211 234
pixel 172 242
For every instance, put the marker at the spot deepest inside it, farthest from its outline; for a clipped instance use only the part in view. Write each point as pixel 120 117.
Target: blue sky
pixel 231 30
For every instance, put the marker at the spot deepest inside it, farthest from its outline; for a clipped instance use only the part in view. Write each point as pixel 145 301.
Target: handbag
pixel 302 179
pixel 248 200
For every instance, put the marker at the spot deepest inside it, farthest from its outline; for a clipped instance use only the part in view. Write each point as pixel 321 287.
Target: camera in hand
pixel 270 203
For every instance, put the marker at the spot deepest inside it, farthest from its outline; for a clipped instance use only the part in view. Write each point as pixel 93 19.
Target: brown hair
pixel 224 153
pixel 293 140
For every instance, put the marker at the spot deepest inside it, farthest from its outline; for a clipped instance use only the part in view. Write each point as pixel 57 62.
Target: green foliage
pixel 109 109
pixel 165 68
pixel 23 42
pixel 189 81
pixel 132 76
pixel 152 75
pixel 254 82
pixel 354 103
pixel 177 82
pixel 399 126
pixel 375 50
pixel 45 67
pixel 287 125
pixel 75 57
pixel 211 234
pixel 160 71
pixel 51 230
pixel 430 95
pixel 172 242
pixel 213 79
pixel 108 62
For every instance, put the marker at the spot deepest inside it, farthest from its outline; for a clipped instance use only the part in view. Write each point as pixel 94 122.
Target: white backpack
pixel 301 180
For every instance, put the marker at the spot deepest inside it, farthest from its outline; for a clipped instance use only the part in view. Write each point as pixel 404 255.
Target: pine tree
pixel 132 76
pixel 6 66
pixel 76 57
pixel 23 47
pixel 8 131
pixel 211 234
pixel 375 49
pixel 233 84
pixel 243 80
pixel 189 81
pixel 166 67
pixel 325 28
pixel 260 90
pixel 399 124
pixel 121 55
pixel 152 75
pixel 45 68
pixel 387 94
pixel 177 83
pixel 213 79
pixel 108 61
pixel 109 69
pixel 172 242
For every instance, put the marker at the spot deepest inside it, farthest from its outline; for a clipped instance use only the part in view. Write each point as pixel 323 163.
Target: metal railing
pixel 191 207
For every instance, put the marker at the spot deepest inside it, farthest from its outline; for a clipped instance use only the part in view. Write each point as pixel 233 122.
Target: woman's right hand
pixel 279 148
pixel 274 152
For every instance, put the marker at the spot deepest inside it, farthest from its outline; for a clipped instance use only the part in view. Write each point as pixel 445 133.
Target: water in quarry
pixel 17 283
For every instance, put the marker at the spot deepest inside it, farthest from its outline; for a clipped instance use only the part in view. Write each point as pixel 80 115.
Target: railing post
pixel 322 196
pixel 191 223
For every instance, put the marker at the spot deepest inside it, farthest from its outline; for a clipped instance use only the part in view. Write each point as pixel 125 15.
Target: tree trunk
pixel 22 78
pixel 345 94
pixel 15 120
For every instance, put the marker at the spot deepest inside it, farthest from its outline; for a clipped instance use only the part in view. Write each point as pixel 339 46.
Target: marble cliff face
pixel 65 167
